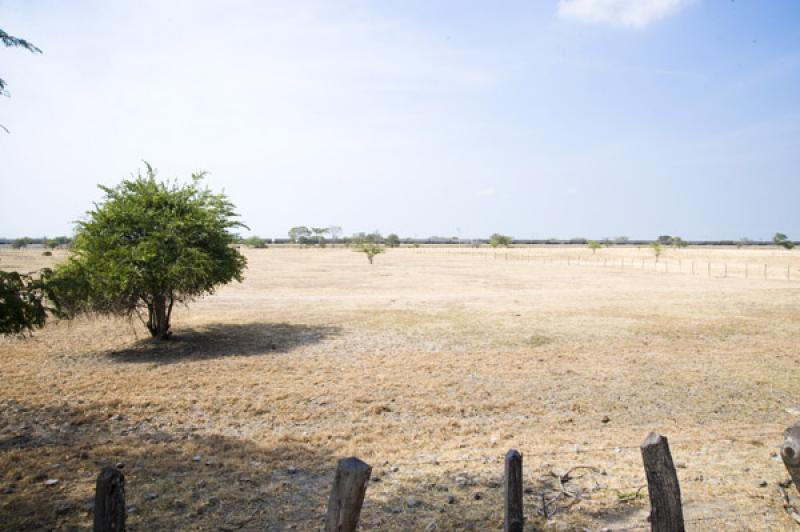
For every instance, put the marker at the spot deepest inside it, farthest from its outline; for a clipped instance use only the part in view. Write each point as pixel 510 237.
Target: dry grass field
pixel 428 365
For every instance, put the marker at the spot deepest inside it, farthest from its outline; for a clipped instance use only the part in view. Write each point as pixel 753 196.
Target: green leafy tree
pixel 370 249
pixel 665 240
pixel 299 234
pixel 368 243
pixel 335 232
pixel 319 235
pixel 657 249
pixel 594 246
pixel 678 242
pixel 147 246
pixel 23 304
pixel 779 239
pixel 392 240
pixel 255 242
pixel 498 240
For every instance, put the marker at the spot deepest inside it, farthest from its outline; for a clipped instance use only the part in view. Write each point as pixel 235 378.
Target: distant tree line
pixel 50 243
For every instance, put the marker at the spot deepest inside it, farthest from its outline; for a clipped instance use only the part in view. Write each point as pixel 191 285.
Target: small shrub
pixel 47 253
pixel 656 247
pixel 370 249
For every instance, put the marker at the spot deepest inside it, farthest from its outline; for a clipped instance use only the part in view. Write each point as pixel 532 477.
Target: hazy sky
pixel 539 118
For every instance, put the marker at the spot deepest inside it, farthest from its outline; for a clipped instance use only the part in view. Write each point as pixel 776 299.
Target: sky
pixel 536 119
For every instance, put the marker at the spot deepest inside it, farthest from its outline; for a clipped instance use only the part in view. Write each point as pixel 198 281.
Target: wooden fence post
pixel 788 272
pixel 692 267
pixel 790 452
pixel 109 501
pixel 746 271
pixel 514 518
pixel 666 512
pixel 347 495
pixel 765 271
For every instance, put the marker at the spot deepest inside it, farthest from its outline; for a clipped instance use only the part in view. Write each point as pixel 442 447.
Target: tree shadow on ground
pixel 225 339
pixel 174 480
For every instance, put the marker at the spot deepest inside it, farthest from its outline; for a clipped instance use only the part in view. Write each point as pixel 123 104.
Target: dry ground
pixel 428 365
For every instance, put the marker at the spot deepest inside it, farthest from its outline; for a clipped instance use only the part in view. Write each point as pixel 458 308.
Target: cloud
pixel 627 13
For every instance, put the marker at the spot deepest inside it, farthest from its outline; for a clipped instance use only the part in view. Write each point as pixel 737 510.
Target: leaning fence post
pixel 790 452
pixel 514 519
pixel 347 495
pixel 666 512
pixel 109 501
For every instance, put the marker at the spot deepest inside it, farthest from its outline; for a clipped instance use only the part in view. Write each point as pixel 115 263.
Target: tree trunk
pixel 158 317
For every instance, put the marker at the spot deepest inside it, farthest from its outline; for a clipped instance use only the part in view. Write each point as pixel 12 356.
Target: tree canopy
pixel 780 239
pixel 392 240
pixel 147 246
pixel 22 302
pixel 500 240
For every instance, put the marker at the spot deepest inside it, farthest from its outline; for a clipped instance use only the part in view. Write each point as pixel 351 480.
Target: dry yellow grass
pixel 428 365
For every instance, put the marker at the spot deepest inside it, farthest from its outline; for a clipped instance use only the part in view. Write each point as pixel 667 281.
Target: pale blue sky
pixel 537 119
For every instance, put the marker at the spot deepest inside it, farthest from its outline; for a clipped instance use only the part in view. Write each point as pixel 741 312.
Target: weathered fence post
pixel 790 452
pixel 692 267
pixel 746 271
pixel 109 501
pixel 514 518
pixel 347 495
pixel 666 512
pixel 765 271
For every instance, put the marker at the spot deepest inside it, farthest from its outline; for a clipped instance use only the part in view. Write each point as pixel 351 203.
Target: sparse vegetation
pixel 21 243
pixel 594 246
pixel 249 362
pixel 657 249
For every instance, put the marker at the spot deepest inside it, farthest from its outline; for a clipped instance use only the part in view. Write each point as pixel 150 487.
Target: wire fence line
pixel 693 267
